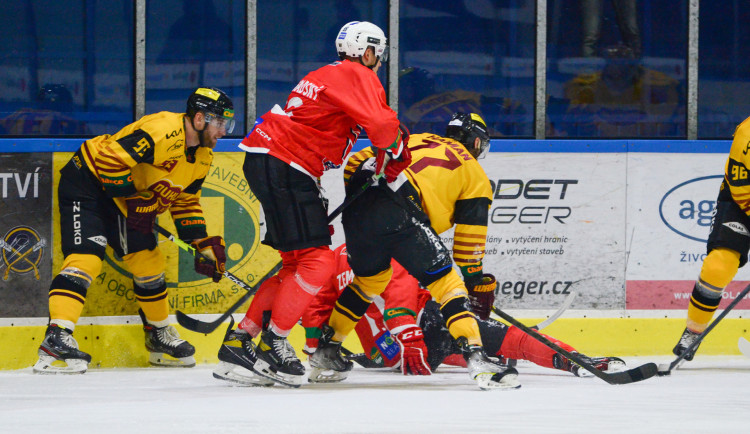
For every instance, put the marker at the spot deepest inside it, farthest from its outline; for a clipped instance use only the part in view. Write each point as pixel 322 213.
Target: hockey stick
pixel 625 377
pixel 349 199
pixel 361 359
pixel 199 326
pixel 563 307
pixel 203 326
pixel 665 370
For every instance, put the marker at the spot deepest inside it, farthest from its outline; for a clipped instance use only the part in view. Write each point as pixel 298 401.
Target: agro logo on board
pixel 687 208
pixel 22 250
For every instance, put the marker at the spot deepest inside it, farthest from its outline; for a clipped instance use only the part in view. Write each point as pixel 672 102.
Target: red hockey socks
pixel 315 268
pixel 520 346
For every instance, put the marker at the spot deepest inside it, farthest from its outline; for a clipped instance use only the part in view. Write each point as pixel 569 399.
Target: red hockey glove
pixel 391 162
pixel 482 294
pixel 142 211
pixel 212 248
pixel 413 351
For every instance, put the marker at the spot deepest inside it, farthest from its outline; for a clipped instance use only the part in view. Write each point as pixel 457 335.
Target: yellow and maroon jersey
pixel 736 171
pixel 149 155
pixel 453 189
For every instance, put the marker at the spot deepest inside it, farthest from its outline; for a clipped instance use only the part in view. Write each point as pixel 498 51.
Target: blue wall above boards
pixel 497 145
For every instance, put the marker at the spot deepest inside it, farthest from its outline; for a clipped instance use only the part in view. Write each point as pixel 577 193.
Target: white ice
pixel 709 394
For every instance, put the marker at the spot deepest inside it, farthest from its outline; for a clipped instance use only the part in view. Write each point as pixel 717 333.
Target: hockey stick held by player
pixel 396 311
pixel 110 193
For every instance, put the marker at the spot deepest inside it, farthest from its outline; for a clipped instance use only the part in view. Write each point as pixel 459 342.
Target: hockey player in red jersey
pixel 404 328
pixel 110 193
pixel 288 150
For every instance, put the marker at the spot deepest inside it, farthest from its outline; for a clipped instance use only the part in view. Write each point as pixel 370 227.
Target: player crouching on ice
pixel 110 193
pixel 405 328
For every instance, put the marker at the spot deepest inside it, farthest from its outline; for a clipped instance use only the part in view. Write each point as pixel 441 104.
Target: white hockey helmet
pixel 354 38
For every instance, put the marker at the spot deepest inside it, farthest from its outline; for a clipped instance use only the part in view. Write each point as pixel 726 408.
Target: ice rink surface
pixel 709 394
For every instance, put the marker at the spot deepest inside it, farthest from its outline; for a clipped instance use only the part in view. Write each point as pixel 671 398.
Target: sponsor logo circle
pixel 687 208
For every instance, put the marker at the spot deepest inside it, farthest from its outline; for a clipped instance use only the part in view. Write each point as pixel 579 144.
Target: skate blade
pixel 238 375
pixel 262 368
pixel 489 381
pixel 165 360
pixel 50 365
pixel 319 375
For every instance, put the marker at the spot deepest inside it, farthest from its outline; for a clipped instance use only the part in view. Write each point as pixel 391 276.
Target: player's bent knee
pixel 315 267
pixel 81 269
pixel 447 287
pixel 720 267
pixel 146 262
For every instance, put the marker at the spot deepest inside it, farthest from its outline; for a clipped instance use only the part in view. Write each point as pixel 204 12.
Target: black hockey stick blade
pixel 711 326
pixel 199 326
pixel 638 373
pixel 361 359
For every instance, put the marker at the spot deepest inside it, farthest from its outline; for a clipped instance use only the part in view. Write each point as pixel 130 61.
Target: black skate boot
pixel 329 365
pixel 165 346
pixel 604 364
pixel 278 361
pixel 237 357
pixel 488 374
pixel 59 353
pixel 687 339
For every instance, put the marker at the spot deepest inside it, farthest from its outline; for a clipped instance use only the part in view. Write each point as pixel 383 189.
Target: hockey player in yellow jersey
pixel 110 193
pixel 443 186
pixel 728 241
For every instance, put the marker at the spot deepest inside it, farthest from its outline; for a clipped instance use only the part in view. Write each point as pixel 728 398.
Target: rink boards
pixel 617 222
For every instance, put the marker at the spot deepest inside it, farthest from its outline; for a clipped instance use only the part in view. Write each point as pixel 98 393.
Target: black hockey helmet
pixel 215 104
pixel 465 128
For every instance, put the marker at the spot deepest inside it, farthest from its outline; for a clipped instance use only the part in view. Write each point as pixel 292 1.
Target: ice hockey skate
pixel 604 364
pixel 237 357
pixel 165 346
pixel 278 361
pixel 327 362
pixel 489 375
pixel 687 339
pixel 59 353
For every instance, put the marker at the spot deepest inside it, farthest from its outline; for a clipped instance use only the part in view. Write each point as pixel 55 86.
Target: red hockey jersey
pixel 324 115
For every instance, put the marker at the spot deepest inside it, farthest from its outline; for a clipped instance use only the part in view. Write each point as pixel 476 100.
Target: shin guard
pixel 719 268
pixel 314 268
pixel 68 289
pixel 461 322
pixel 262 302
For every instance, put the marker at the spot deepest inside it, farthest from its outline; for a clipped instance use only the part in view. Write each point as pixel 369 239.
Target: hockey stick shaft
pixel 207 327
pixel 708 329
pixel 349 199
pixel 630 376
pixel 560 310
pixel 188 248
